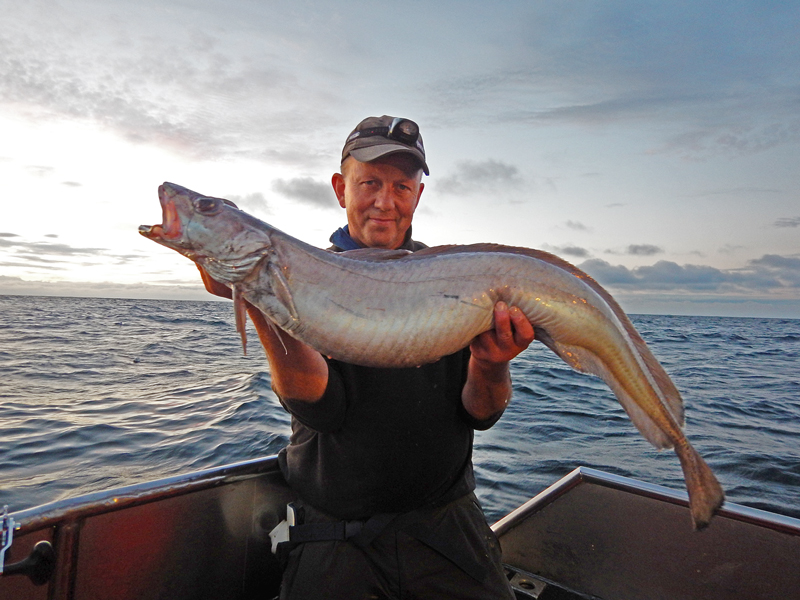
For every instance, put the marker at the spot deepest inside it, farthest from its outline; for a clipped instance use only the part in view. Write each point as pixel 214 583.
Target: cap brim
pixel 371 153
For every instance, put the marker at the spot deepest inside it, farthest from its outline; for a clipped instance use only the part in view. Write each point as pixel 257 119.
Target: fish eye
pixel 207 206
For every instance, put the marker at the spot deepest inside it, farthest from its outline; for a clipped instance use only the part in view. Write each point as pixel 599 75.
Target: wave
pixel 98 393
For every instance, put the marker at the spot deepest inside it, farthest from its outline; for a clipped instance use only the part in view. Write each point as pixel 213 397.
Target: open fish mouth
pixel 170 227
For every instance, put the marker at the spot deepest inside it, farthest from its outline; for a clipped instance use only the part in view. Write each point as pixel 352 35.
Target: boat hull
pixel 617 538
pixel 205 535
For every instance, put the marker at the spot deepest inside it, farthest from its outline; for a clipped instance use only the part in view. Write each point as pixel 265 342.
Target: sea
pixel 101 393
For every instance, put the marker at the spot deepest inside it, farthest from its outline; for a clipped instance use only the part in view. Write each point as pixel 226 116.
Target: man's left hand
pixel 512 333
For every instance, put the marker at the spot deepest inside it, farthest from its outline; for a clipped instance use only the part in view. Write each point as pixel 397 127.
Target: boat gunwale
pixel 94 503
pixel 81 507
pixel 580 475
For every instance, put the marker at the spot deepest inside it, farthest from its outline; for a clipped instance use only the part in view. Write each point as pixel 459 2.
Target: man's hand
pixel 488 387
pixel 214 286
pixel 512 333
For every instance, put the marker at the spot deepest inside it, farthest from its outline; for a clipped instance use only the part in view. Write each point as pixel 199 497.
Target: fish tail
pixel 705 492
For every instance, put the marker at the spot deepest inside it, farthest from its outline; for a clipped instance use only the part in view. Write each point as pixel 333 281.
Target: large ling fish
pixel 396 309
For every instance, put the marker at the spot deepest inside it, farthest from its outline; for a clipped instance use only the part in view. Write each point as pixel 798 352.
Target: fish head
pixel 212 232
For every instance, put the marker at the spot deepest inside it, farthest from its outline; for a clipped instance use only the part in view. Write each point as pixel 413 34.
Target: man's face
pixel 380 198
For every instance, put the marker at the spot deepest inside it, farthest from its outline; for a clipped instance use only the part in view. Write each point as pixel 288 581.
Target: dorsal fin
pixel 375 254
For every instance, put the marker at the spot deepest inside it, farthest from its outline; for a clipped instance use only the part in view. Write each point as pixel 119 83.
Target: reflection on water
pixel 99 393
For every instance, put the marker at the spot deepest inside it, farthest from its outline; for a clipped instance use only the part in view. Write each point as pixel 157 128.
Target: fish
pixel 394 308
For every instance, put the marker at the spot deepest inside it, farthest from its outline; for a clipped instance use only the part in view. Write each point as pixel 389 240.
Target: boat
pixel 205 535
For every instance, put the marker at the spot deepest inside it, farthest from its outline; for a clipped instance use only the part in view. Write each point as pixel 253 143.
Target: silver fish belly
pixel 392 309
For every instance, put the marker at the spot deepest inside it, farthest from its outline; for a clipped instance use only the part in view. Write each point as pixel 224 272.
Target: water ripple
pixel 99 393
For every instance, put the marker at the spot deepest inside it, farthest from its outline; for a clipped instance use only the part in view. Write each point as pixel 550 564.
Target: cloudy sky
pixel 654 144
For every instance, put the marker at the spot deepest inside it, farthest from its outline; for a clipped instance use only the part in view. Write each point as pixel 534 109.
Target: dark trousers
pixel 430 554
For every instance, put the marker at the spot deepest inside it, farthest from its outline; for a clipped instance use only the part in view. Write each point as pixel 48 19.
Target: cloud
pixel 171 290
pixel 38 265
pixel 643 250
pixel 719 81
pixel 577 226
pixel 39 170
pixel 37 249
pixel 307 190
pixel 255 202
pixel 38 256
pixel 605 111
pixel 575 251
pixel 608 274
pixel 788 222
pixel 768 273
pixel 156 77
pixel 5 242
pixel 478 176
pixel 746 192
pixel 731 248
pixel 41 260
pixel 786 268
pixel 265 81
pixel 748 136
pixel 637 250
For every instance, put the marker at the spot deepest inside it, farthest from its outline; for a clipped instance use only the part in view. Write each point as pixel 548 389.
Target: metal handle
pixel 6 535
pixel 39 565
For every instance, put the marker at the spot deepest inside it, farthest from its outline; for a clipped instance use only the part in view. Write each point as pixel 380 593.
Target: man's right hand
pixel 214 286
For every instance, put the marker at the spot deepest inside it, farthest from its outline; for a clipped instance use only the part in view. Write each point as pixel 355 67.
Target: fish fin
pixel 705 492
pixel 277 331
pixel 465 249
pixel 240 312
pixel 585 361
pixel 374 254
pixel 282 291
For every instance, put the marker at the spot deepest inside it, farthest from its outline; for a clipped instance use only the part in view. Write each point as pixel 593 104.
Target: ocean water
pixel 99 393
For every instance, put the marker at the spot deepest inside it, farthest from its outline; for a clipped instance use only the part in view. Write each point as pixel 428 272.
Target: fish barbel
pixel 390 308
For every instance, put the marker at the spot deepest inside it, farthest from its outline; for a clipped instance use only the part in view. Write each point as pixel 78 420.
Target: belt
pixel 290 533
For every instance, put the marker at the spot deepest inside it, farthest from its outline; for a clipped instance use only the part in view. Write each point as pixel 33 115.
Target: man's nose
pixel 384 199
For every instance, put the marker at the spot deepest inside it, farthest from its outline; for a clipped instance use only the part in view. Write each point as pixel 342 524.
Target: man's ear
pixel 337 181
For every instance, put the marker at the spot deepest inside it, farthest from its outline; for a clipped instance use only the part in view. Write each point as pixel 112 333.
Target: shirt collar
pixel 342 239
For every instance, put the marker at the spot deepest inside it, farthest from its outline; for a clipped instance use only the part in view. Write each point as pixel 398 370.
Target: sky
pixel 656 145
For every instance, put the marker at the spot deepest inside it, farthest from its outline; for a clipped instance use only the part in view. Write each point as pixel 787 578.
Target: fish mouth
pixel 170 227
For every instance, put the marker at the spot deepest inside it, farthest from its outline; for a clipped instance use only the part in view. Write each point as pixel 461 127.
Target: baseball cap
pixel 379 136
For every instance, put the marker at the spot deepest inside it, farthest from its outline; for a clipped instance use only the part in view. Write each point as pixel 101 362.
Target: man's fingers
pixel 511 326
pixel 502 323
pixel 523 330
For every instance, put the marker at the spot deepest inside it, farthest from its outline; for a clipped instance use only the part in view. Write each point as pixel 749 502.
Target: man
pixel 381 459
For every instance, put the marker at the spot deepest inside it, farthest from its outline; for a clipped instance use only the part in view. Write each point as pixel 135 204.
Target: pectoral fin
pixel 280 288
pixel 240 312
